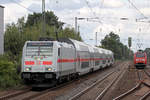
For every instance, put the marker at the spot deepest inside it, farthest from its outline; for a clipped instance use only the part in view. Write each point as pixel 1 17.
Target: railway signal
pixel 129 42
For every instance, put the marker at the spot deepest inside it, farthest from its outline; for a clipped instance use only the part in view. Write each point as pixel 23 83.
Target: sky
pixel 107 12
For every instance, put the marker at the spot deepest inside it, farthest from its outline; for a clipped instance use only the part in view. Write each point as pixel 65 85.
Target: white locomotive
pixel 48 62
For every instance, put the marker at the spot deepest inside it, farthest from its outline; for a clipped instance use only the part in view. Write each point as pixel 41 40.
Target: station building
pixel 1 30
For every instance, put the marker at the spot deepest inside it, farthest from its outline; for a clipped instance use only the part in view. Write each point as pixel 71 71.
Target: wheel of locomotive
pixel 59 81
pixel 92 70
pixel 76 76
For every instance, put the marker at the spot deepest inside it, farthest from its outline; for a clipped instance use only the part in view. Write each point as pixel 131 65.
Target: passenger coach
pixel 50 62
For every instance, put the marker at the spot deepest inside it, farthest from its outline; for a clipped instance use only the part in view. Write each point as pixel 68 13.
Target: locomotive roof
pixel 81 46
pixel 64 44
pixel 38 41
pixel 2 6
pixel 139 52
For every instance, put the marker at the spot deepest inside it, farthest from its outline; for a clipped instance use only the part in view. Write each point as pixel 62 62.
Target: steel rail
pixel 14 94
pixel 35 95
pixel 91 86
pixel 48 90
pixel 99 97
pixel 145 96
pixel 128 92
pixel 148 93
pixel 60 86
pixel 147 73
pixel 131 90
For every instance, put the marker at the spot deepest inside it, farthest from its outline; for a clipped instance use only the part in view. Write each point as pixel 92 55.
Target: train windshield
pixel 39 49
pixel 140 55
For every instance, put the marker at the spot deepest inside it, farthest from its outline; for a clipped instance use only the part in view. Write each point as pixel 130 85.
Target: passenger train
pixel 140 59
pixel 51 62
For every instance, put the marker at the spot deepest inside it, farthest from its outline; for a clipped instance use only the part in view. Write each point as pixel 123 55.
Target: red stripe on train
pixel 74 60
pixel 47 63
pixel 84 59
pixel 66 60
pixel 29 63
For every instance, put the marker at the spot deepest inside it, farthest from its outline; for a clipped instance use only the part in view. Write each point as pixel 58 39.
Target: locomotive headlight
pixel 27 68
pixel 49 69
pixel 38 59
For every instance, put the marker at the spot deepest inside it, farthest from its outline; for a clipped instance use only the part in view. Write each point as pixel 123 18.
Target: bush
pixel 8 75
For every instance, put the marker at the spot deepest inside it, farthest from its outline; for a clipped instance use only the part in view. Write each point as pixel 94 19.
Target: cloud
pixel 109 13
pixel 59 5
pixel 35 7
pixel 9 1
pixel 11 14
pixel 146 11
pixel 113 4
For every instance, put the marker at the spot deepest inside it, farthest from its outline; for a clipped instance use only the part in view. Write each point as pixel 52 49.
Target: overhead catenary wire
pixel 139 44
pixel 22 6
pixel 137 9
pixel 101 5
pixel 48 5
pixel 89 6
pixel 87 2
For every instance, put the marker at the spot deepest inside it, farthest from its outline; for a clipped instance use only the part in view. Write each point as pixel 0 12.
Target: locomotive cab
pixel 38 61
pixel 140 60
pixel 47 62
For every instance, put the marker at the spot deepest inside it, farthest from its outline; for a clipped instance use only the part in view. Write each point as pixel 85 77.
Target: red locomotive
pixel 140 59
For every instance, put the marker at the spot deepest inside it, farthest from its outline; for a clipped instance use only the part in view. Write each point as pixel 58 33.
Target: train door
pixel 78 63
pixel 59 58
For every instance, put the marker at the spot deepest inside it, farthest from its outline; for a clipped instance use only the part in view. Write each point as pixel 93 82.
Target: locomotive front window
pixel 39 49
pixel 140 55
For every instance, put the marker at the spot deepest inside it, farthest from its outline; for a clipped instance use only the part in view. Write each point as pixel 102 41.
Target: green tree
pixel 17 34
pixel 147 50
pixel 70 33
pixel 50 18
pixel 112 42
pixel 13 40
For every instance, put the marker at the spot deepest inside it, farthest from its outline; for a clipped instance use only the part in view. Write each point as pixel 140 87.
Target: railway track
pixel 48 90
pixel 148 93
pixel 97 89
pixel 33 94
pixel 28 94
pixel 14 94
pixel 140 91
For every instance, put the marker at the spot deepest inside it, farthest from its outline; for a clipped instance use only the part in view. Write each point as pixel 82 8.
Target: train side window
pixel 58 51
pixel 85 64
pixel 96 63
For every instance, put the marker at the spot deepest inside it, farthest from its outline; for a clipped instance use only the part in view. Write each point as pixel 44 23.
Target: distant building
pixel 1 29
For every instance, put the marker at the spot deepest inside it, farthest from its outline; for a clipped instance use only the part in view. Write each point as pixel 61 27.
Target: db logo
pixel 38 62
